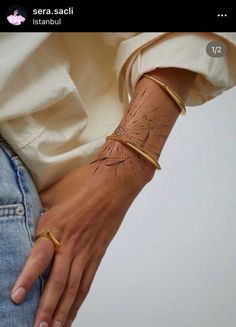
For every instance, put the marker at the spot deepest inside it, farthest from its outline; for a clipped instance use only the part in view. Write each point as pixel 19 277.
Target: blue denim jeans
pixel 20 209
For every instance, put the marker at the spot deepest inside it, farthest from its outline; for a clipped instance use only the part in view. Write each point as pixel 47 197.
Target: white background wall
pixel 173 260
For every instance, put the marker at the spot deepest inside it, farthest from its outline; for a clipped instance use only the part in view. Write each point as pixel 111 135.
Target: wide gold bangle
pixel 171 92
pixel 137 148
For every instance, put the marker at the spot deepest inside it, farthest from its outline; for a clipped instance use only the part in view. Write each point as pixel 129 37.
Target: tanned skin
pixel 86 208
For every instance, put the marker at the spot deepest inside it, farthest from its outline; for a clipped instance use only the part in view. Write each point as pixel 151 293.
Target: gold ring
pixel 47 233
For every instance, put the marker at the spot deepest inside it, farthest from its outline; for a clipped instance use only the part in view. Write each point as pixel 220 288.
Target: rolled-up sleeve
pixel 137 56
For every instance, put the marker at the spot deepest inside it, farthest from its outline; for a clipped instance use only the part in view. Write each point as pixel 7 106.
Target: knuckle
pixel 74 236
pixel 73 288
pixel 59 283
pixel 41 259
pixel 61 315
pixel 30 280
pixel 46 312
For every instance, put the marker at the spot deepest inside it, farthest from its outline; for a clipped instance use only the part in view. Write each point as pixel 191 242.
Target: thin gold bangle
pixel 171 92
pixel 140 150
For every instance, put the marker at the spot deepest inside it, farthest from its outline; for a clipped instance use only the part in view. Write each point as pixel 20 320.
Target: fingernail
pixel 19 295
pixel 57 324
pixel 43 324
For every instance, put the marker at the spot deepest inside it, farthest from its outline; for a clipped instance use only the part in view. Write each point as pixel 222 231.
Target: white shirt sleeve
pixel 180 50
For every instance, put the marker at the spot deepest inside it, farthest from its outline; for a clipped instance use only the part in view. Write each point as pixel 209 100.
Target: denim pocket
pixel 20 205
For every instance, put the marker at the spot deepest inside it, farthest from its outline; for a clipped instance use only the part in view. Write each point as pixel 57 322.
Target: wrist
pixel 123 165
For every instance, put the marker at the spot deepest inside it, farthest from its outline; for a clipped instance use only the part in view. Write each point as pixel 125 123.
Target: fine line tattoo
pixel 143 124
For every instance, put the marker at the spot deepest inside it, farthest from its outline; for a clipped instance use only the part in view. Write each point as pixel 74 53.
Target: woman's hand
pixel 86 208
pixel 84 212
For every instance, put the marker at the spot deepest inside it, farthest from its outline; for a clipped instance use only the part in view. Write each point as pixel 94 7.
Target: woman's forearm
pixel 147 122
pixel 86 207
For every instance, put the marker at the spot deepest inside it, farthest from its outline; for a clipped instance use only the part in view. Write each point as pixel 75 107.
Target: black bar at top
pixel 118 16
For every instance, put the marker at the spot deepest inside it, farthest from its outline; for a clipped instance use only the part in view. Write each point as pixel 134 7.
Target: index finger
pixel 38 260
